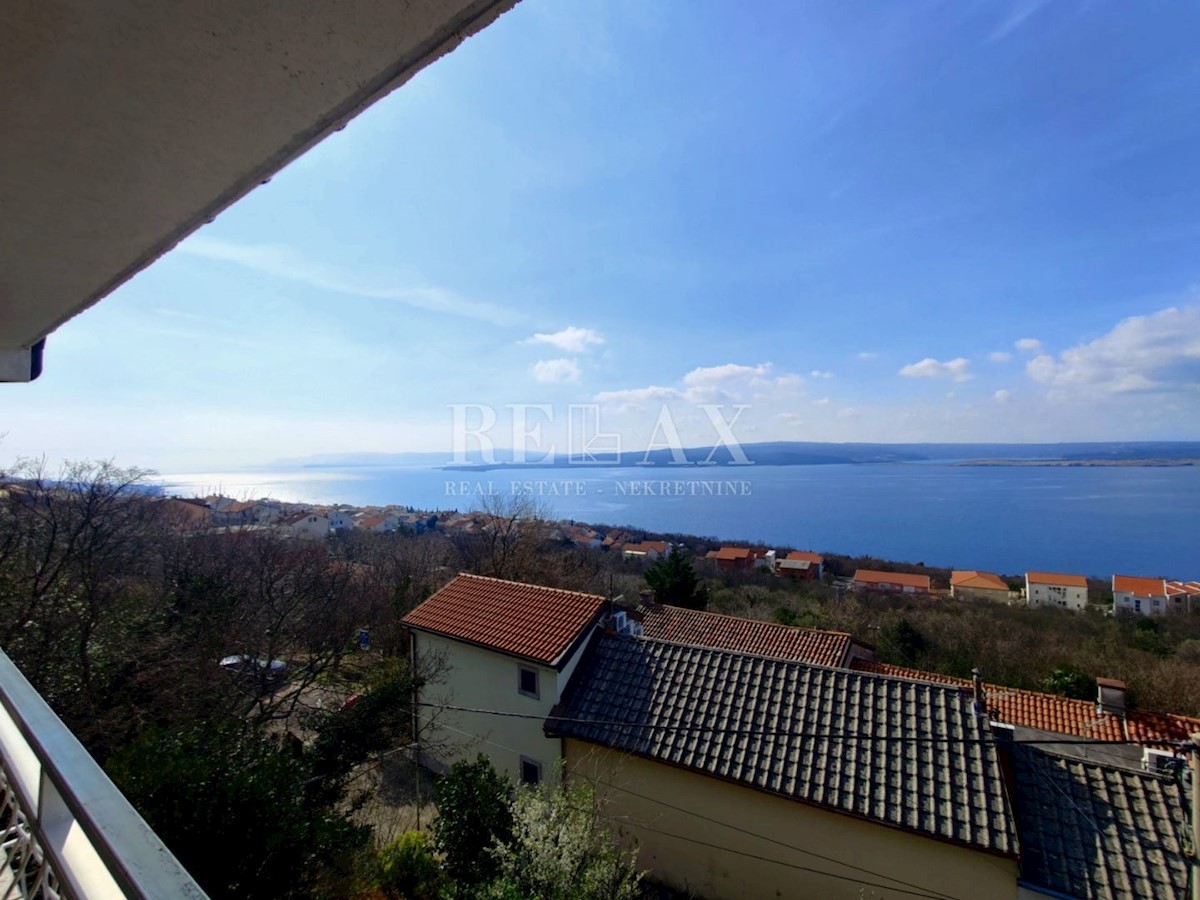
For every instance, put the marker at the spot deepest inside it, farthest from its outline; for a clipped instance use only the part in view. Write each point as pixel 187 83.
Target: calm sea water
pixel 1141 521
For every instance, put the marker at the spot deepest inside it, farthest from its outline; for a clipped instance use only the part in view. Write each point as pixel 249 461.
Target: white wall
pixel 485 679
pixel 1072 598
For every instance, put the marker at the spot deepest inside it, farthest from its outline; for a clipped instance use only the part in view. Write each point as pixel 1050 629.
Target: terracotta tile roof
pixel 1050 712
pixel 1139 587
pixel 705 629
pixel 867 576
pixel 1182 587
pixel 969 578
pixel 538 623
pixel 730 553
pixel 806 556
pixel 1056 579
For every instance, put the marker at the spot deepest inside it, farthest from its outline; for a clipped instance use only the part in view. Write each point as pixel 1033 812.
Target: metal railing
pixel 65 829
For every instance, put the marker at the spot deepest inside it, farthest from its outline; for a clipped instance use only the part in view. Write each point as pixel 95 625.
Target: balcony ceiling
pixel 126 125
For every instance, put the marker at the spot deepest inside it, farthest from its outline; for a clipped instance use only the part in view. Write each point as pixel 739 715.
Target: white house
pixel 501 646
pixel 1153 596
pixel 647 550
pixel 309 525
pixel 1054 589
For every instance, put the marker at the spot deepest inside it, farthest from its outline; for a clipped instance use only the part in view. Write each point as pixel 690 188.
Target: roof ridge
pixel 524 584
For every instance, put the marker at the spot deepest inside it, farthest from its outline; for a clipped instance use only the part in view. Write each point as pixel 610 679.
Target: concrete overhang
pixel 126 125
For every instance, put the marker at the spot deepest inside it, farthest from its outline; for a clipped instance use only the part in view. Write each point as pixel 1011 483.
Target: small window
pixel 527 682
pixel 531 771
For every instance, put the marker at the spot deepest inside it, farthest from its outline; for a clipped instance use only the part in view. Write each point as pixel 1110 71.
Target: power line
pixel 767 859
pixel 771 840
pixel 784 732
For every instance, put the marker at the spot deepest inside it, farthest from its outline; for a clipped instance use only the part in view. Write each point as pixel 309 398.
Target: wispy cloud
pixel 285 262
pixel 553 371
pixel 820 375
pixel 932 368
pixel 1000 356
pixel 1029 345
pixel 1002 396
pixel 570 340
pixel 1019 13
pixel 867 354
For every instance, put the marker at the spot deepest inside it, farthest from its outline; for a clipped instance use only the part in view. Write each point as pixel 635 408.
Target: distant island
pixel 1069 463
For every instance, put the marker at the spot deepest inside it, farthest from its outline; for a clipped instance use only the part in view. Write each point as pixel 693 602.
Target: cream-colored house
pixel 737 775
pixel 501 646
pixel 972 585
pixel 742 776
pixel 1056 590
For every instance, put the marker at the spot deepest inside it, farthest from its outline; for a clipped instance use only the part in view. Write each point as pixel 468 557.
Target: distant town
pixel 1138 595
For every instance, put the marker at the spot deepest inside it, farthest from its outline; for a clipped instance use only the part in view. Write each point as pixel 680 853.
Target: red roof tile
pixel 1139 587
pixel 867 576
pixel 1056 579
pixel 538 623
pixel 705 629
pixel 730 553
pixel 978 580
pixel 1050 712
pixel 807 556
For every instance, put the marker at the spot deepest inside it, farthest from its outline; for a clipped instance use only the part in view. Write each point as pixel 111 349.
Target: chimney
pixel 1110 696
pixel 979 705
pixel 647 599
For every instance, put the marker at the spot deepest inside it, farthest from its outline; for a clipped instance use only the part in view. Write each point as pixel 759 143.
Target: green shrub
pixel 408 868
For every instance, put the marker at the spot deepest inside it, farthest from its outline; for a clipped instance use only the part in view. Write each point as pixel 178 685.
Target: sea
pixel 1008 519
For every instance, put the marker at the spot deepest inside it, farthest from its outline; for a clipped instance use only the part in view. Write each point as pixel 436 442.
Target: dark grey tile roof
pixel 1093 830
pixel 817 722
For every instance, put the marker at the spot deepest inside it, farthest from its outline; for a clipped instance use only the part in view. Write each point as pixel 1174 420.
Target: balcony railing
pixel 65 829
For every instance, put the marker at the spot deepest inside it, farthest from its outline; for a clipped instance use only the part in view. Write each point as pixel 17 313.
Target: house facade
pixel 1153 596
pixel 1056 590
pixel 647 550
pixel 496 645
pixel 973 585
pixel 891 581
pixel 306 525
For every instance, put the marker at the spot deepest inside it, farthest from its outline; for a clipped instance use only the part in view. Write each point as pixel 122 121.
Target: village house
pixel 732 558
pixel 1154 596
pixel 380 523
pixel 802 565
pixel 731 791
pixel 582 536
pixel 184 514
pixel 1056 590
pixel 857 786
pixel 503 646
pixel 891 581
pixel 647 550
pixel 973 585
pixel 311 525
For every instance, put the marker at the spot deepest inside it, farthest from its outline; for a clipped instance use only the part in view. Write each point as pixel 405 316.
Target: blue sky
pixel 921 221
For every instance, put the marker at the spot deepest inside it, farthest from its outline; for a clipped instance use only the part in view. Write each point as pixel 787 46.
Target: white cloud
pixel 552 371
pixel 866 354
pixel 824 401
pixel 848 412
pixel 1029 345
pixel 931 368
pixel 820 375
pixel 1002 396
pixel 570 340
pixel 284 262
pixel 1000 356
pixel 1158 352
pixel 634 396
